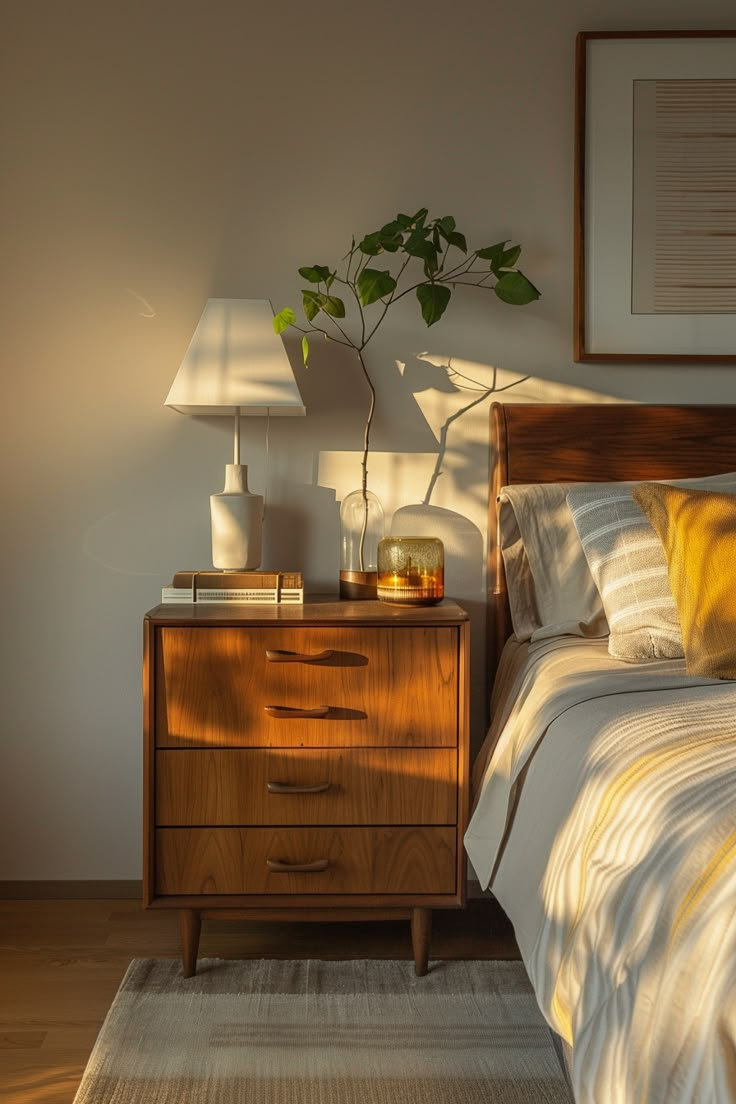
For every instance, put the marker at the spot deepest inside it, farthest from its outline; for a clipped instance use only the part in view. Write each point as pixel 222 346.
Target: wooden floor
pixel 61 963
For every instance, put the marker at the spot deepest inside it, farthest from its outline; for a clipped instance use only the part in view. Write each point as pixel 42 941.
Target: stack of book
pixel 222 588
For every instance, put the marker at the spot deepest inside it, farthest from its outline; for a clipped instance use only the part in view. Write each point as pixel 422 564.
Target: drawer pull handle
pixel 279 867
pixel 289 788
pixel 277 655
pixel 290 711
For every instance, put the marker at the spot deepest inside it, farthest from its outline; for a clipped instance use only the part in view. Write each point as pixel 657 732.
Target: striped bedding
pixel 605 822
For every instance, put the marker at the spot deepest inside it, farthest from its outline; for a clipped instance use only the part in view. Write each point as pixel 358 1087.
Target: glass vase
pixel 361 528
pixel 411 571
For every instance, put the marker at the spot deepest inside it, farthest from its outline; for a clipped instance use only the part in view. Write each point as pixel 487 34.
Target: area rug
pixel 313 1032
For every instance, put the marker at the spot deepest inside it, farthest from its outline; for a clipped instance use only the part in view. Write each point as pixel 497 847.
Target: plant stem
pixel 364 461
pixel 391 299
pixel 317 329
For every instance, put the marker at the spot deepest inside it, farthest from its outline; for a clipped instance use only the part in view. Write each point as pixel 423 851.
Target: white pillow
pixel 551 589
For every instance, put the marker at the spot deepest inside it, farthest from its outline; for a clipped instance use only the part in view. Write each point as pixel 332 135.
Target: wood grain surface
pixel 360 860
pixel 212 686
pixel 366 786
pixel 315 611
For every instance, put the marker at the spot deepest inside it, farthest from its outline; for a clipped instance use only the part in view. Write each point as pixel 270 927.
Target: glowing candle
pixel 411 571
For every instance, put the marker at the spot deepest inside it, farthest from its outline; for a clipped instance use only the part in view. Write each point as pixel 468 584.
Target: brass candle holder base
pixel 418 595
pixel 358 585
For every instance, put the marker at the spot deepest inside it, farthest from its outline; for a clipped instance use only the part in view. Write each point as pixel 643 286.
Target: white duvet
pixel 605 822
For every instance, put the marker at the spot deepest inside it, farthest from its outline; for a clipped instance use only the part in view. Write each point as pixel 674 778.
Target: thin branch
pixel 444 257
pixel 353 288
pixel 318 329
pixel 391 299
pixel 337 325
pixel 470 283
pixel 364 461
pixel 459 268
pixel 446 278
pixel 350 256
pixel 412 288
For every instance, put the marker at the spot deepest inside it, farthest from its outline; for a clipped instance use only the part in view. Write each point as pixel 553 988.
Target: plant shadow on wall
pixel 477 393
pixel 430 258
pixel 462 539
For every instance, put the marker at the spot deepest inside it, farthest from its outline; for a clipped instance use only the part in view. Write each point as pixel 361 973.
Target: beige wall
pixel 155 154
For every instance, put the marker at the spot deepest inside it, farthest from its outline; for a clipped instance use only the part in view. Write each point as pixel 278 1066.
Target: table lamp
pixel 236 365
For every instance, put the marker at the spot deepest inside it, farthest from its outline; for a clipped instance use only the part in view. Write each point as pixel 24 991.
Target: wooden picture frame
pixel 652 173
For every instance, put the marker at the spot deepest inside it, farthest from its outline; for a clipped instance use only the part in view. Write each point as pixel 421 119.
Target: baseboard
pixel 71 890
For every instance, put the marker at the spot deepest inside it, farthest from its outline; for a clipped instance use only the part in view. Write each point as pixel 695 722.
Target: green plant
pixel 413 241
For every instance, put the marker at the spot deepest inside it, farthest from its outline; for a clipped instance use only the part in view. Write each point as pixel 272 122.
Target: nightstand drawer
pixel 193 861
pixel 315 786
pixel 306 687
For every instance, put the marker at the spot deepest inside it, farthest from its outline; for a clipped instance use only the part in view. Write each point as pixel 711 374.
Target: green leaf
pixel 417 245
pixel 316 301
pixel 389 237
pixel 373 285
pixel 431 265
pixel 316 274
pixel 446 227
pixel 394 228
pixel 509 257
pixel 433 299
pixel 404 221
pixel 283 320
pixel 492 253
pixel 311 304
pixel 371 244
pixel 514 288
pixel 500 257
pixel 419 217
pixel 305 352
pixel 333 306
pixel 391 243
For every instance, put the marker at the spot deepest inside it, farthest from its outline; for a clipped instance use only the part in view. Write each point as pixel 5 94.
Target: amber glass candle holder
pixel 411 571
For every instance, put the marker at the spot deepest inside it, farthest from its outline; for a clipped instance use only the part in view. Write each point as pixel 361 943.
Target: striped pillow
pixel 628 564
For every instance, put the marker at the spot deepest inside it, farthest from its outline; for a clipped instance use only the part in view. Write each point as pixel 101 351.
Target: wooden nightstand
pixel 305 763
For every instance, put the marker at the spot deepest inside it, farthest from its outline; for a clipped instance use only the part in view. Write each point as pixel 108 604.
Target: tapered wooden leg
pixel 190 923
pixel 421 930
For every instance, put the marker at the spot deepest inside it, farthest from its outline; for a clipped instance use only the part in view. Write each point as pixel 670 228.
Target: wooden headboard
pixel 538 443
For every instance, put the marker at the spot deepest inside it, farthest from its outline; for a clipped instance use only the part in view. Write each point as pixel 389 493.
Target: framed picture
pixel 655 196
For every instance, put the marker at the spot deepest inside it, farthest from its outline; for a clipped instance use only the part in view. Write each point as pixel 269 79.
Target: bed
pixel 604 818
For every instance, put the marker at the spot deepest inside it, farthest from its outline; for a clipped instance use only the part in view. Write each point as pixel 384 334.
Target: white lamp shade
pixel 235 360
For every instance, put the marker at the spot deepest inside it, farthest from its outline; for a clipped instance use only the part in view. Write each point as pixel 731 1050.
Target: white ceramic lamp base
pixel 237 522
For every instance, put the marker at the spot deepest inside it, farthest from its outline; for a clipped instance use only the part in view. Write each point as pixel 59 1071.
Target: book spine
pixel 266 595
pixel 177 595
pixel 292 596
pixel 237 581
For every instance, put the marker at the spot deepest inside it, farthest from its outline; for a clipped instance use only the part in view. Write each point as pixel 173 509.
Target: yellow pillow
pixel 698 532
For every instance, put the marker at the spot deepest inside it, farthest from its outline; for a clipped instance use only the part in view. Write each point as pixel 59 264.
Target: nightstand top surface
pixel 314 611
